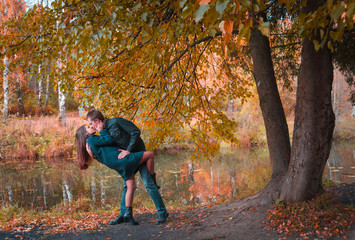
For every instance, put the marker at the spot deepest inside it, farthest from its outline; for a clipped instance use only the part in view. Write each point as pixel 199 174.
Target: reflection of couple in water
pixel 121 148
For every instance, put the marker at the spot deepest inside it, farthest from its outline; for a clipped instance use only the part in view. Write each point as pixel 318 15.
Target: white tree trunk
pixel 67 194
pixel 190 168
pixel 65 197
pixel 103 192
pixel 230 108
pixel 11 195
pixel 234 189
pixel 40 88
pixel 44 185
pixel 20 97
pixel 45 195
pixel 6 89
pixel 93 190
pixel 61 105
pixel 47 89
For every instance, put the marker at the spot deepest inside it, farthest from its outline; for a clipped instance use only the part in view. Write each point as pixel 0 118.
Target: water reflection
pixel 45 183
pixel 340 167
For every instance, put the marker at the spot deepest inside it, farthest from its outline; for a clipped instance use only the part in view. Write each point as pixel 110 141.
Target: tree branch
pixel 286 45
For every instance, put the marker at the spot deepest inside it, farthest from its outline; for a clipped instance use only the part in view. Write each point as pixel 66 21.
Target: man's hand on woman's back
pixel 123 153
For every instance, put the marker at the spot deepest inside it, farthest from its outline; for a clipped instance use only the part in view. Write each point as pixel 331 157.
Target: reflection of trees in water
pixel 43 184
pixel 341 163
pixel 93 190
pixel 103 191
pixel 22 197
pixel 190 168
pixel 67 193
pixel 11 195
pixel 232 176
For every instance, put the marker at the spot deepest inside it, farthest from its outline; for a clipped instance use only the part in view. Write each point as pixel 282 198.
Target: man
pixel 127 137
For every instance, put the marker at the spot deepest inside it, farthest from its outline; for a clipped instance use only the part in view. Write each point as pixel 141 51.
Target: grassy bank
pixel 33 138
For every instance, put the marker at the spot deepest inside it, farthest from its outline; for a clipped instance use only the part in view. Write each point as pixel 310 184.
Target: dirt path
pixel 220 222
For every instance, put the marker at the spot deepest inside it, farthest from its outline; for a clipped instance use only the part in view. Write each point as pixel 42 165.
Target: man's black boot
pixel 118 220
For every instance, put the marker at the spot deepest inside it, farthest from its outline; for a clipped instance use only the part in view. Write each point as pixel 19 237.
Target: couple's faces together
pixel 91 126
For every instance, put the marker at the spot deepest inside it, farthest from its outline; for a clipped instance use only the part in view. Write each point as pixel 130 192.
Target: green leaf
pixel 351 9
pixel 221 5
pixel 246 3
pixel 316 45
pixel 336 12
pixel 211 32
pixel 199 13
pixel 186 12
pixel 330 46
pixel 137 7
pixel 182 3
pixel 150 22
pixel 144 16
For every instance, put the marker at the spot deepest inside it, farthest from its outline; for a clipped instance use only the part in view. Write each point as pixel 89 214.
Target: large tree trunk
pixel 314 122
pixel 314 125
pixel 6 89
pixel 270 103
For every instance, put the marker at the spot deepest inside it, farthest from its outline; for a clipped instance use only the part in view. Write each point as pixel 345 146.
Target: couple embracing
pixel 121 148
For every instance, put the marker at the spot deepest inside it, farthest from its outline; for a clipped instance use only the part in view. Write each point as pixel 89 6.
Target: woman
pixel 104 149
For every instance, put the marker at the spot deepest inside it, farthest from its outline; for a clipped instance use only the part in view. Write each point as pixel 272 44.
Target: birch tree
pixel 40 88
pixel 9 9
pixel 20 96
pixel 6 89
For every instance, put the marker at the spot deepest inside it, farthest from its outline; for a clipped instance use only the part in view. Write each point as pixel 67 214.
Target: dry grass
pixel 31 138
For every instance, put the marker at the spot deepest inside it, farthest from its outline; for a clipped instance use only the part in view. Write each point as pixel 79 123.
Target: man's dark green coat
pixel 125 134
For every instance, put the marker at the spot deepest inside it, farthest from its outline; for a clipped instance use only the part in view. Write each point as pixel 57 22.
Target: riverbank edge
pixel 224 221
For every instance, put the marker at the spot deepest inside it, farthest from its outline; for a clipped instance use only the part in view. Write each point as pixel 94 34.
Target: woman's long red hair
pixel 84 159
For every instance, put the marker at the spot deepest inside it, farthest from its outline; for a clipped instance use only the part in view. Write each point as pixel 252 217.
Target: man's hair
pixel 95 114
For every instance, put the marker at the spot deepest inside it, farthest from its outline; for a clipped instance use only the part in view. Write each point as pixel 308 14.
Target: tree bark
pixel 20 97
pixel 67 193
pixel 103 192
pixel 40 89
pixel 47 88
pixel 270 103
pixel 93 190
pixel 6 89
pixel 230 108
pixel 61 105
pixel 11 195
pixel 314 125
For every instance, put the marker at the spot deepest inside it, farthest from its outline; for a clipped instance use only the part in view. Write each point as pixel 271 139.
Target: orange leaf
pixel 204 2
pixel 228 27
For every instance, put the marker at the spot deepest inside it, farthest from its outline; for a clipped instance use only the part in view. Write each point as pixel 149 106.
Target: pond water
pixel 44 183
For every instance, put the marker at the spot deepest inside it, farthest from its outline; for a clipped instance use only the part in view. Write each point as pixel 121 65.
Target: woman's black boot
pixel 128 216
pixel 155 180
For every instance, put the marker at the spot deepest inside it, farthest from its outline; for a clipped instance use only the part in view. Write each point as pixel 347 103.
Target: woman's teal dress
pixel 106 152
